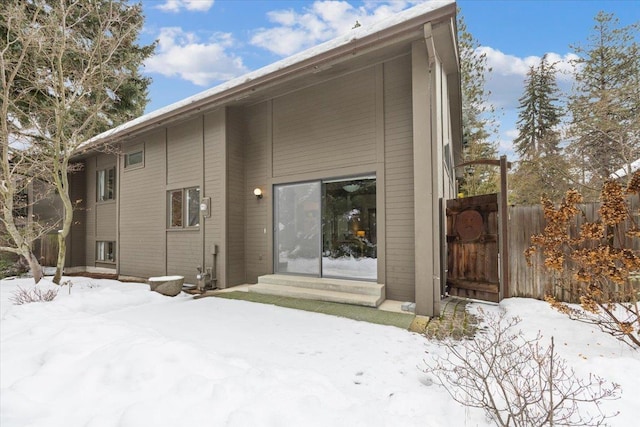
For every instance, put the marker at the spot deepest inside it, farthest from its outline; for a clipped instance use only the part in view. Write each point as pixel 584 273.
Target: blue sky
pixel 205 42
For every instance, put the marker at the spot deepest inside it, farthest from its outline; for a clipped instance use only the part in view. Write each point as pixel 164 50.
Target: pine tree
pixel 478 121
pixel 605 103
pixel 539 115
pixel 541 170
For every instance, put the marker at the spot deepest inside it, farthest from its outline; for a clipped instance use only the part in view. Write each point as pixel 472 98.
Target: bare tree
pixel 70 70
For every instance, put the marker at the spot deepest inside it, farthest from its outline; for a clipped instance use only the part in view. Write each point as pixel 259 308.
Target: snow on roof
pixel 622 172
pixel 357 33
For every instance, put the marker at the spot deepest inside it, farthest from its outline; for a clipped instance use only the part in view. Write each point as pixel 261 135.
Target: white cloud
pixel 191 5
pixel 182 54
pixel 506 80
pixel 322 21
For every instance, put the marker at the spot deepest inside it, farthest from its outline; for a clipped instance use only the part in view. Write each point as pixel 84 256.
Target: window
pixel 106 251
pixel 134 159
pixel 106 184
pixel 184 207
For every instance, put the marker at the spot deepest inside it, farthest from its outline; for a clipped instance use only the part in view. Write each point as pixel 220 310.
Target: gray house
pixel 328 169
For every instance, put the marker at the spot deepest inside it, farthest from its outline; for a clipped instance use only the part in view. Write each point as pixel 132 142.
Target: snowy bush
pixel 35 294
pixel 518 381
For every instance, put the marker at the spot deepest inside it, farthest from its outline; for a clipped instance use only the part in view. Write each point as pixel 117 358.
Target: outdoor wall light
pixel 258 193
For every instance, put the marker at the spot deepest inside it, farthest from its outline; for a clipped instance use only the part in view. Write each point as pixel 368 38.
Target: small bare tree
pixel 518 381
pixel 70 70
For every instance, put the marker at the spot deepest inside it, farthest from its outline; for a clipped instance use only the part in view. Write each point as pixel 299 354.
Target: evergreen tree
pixel 478 121
pixel 541 170
pixel 539 114
pixel 69 70
pixel 605 103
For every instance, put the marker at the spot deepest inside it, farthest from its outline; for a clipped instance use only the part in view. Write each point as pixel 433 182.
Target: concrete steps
pixel 322 289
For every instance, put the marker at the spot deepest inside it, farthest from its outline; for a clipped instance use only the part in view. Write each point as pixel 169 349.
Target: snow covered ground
pixel 116 354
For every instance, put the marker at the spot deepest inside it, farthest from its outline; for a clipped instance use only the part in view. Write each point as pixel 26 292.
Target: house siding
pixel 143 210
pixel 184 154
pixel 399 215
pixel 256 157
pixel 214 188
pixel 101 217
pixel 184 170
pixel 327 126
pixel 184 253
pixel 236 197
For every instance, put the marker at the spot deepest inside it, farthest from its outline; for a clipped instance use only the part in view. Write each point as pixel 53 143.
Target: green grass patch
pixel 356 312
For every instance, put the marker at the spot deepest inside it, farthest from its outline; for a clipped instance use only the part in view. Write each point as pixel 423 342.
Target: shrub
pixel 35 294
pixel 518 381
pixel 596 261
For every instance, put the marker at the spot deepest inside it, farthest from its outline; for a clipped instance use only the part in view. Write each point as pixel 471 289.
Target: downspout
pixel 435 159
pixel 203 218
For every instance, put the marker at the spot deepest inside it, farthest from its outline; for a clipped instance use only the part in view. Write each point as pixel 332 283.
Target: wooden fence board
pixel 536 281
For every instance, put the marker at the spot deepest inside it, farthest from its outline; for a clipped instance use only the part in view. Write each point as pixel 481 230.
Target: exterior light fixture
pixel 258 193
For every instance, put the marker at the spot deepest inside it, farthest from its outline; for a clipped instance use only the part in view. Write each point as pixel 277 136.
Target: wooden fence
pixel 536 281
pixel 46 249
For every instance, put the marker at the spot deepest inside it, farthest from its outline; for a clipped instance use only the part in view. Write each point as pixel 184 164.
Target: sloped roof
pixel 304 60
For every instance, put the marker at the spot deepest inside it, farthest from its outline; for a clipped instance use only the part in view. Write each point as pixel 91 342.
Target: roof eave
pixel 408 29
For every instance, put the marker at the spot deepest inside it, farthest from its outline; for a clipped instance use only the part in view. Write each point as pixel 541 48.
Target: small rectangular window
pixel 175 208
pixel 106 184
pixel 106 251
pixel 193 207
pixel 184 207
pixel 134 159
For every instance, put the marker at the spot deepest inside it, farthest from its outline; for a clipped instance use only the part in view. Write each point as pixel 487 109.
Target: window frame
pixel 127 162
pixel 101 256
pixel 102 190
pixel 182 217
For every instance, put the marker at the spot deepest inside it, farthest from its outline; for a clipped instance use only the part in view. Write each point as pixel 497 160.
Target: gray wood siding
pixel 184 253
pixel 256 175
pixel 106 221
pixel 90 216
pixel 142 212
pixel 184 170
pixel 399 221
pixel 101 217
pixel 236 197
pixel 327 126
pixel 184 153
pixel 214 183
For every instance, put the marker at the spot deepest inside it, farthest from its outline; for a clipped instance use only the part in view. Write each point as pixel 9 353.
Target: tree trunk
pixel 34 266
pixel 62 251
pixel 62 184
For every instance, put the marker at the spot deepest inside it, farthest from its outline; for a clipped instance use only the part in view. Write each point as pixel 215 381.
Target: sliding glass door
pixel 297 228
pixel 349 243
pixel 327 228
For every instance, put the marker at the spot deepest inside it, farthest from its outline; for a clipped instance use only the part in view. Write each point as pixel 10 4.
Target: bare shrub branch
pixel 26 296
pixel 519 381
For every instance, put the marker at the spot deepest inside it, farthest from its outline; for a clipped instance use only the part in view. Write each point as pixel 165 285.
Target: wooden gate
pixel 472 247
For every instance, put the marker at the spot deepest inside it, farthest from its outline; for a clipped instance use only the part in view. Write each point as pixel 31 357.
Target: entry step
pixel 321 289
